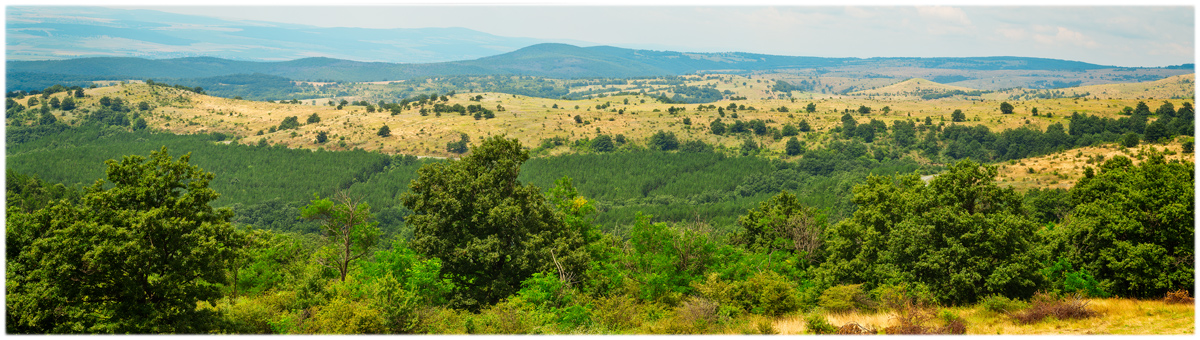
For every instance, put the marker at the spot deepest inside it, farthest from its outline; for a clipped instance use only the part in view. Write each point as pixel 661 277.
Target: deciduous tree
pixel 134 256
pixel 348 227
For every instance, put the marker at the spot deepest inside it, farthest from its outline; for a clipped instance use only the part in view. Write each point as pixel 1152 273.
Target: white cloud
pixel 1061 35
pixel 945 14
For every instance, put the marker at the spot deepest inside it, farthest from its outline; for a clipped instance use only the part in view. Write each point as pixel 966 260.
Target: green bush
pixel 766 293
pixel 344 316
pixel 506 317
pixel 817 324
pixel 617 312
pixel 693 316
pixel 1000 304
pixel 845 298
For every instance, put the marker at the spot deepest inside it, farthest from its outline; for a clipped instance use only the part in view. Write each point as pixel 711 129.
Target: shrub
pixel 1000 304
pixel 917 319
pixel 766 327
pixel 816 324
pixel 845 298
pixel 696 315
pixel 439 320
pixel 617 312
pixel 1047 305
pixel 1179 296
pixel 344 316
pixel 766 292
pixel 502 318
pixel 854 328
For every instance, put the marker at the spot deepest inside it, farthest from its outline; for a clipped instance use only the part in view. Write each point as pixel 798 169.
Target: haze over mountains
pixel 78 44
pixel 55 33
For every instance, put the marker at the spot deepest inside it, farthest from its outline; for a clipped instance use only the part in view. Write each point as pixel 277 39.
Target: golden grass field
pixel 1062 169
pixel 1116 316
pixel 532 119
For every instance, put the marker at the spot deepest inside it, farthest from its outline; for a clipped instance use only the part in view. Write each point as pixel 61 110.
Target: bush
pixel 816 324
pixel 854 328
pixel 502 318
pixel 918 318
pixel 1000 304
pixel 766 293
pixel 845 298
pixel 617 312
pixel 1047 305
pixel 440 320
pixel 1179 296
pixel 344 316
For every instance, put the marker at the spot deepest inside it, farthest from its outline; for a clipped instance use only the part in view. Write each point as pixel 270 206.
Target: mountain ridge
pixel 549 60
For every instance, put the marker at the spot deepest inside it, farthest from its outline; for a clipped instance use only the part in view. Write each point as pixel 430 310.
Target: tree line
pixel 144 251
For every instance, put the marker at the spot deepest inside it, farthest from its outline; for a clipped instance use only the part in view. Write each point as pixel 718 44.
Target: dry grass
pixel 1044 306
pixel 532 119
pixel 1114 316
pixel 914 85
pixel 1179 296
pixel 1062 169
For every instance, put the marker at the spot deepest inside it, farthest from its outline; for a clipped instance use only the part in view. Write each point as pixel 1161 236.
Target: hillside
pixel 915 87
pixel 533 120
pixel 1062 169
pixel 567 61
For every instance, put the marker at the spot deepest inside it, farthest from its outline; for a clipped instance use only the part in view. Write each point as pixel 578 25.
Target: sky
pixel 1106 35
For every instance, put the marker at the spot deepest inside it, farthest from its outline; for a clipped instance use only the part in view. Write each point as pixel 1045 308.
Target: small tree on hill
pixel 794 147
pixel 460 146
pixel 602 143
pixel 384 131
pixel 1006 108
pixel 314 118
pixel 958 116
pixel 664 141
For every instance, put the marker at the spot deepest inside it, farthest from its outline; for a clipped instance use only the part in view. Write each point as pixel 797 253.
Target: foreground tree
pixel 490 231
pixel 783 224
pixel 348 227
pixel 1133 229
pixel 962 237
pixel 133 258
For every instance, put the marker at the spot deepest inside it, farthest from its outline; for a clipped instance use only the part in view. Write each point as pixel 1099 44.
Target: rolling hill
pixel 562 61
pixel 913 87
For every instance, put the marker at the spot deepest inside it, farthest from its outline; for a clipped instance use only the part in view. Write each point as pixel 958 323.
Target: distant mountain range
pixel 543 60
pixel 66 32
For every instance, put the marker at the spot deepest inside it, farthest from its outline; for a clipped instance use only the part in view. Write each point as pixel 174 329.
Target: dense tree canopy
pixel 134 256
pixel 961 236
pixel 490 231
pixel 1133 228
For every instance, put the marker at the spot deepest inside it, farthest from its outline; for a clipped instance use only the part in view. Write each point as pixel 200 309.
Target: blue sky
pixel 1107 35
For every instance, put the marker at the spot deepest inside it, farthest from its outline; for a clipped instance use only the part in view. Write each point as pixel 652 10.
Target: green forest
pixel 116 229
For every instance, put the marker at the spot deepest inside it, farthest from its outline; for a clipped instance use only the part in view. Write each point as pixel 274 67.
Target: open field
pixel 1116 316
pixel 1062 169
pixel 532 119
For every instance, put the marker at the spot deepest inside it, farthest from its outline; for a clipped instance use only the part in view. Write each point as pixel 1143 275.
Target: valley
pixel 171 173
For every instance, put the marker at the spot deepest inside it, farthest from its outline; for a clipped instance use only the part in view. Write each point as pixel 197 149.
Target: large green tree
pixel 961 236
pixel 135 255
pixel 783 224
pixel 490 231
pixel 1133 228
